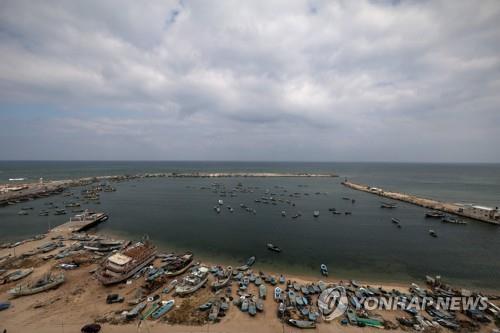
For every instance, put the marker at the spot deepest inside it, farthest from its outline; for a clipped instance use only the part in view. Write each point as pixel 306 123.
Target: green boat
pixel 370 322
pixel 150 311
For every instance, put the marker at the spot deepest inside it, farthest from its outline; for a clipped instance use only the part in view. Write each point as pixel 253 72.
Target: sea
pixel 178 215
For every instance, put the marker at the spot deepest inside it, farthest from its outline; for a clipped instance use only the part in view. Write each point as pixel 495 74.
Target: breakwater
pixel 446 207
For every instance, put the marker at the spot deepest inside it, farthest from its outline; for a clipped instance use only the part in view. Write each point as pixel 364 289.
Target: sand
pixel 82 300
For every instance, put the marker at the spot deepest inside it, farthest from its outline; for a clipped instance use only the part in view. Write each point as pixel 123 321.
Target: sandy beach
pixel 82 300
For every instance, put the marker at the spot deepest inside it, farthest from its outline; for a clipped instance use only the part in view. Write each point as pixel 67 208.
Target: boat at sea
pixel 434 215
pixel 432 233
pixel 452 220
pixel 316 213
pixel 164 308
pixel 324 269
pixel 223 281
pixel 47 282
pixel 390 205
pixel 122 265
pixel 273 248
pixel 250 261
pixel 194 281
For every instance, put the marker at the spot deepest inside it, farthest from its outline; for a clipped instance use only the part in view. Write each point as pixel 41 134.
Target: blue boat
pixel 163 309
pixel 4 305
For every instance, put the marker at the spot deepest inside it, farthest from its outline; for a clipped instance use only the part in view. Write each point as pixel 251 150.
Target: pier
pixel 81 222
pixel 493 216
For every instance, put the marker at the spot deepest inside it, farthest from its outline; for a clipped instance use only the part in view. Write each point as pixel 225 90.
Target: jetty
pixel 479 213
pixel 82 222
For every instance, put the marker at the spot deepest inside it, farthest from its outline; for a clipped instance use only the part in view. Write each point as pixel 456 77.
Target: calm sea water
pixel 178 214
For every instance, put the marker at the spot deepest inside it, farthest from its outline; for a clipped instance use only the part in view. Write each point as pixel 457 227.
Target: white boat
pixel 221 202
pixel 316 213
pixel 19 274
pixel 194 281
pixel 277 293
pixel 283 213
pixel 46 283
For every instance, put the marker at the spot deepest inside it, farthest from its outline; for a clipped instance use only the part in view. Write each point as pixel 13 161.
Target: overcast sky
pixel 254 80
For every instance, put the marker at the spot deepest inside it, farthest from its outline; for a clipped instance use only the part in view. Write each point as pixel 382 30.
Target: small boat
pixel 434 215
pixel 252 308
pixel 43 213
pixel 281 310
pixel 150 311
pixel 4 305
pixel 194 281
pixel 258 281
pixel 283 213
pixel 205 306
pixel 167 306
pixel 221 283
pixel 324 269
pixel 452 220
pixel 262 291
pixel 259 304
pixel 250 261
pixel 136 310
pixel 395 220
pixel 45 283
pixel 432 233
pixel 316 213
pixel 277 293
pixel 19 274
pixel 282 279
pixel 389 205
pixel 273 247
pixel 22 212
pixel 221 202
pixel 302 323
pixel 244 305
pixel 214 312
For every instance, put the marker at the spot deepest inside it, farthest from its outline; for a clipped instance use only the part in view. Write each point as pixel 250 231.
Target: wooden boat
pixel 150 311
pixel 19 274
pixel 136 310
pixel 221 283
pixel 302 323
pixel 316 213
pixel 277 293
pixel 178 265
pixel 252 309
pixel 167 306
pixel 4 305
pixel 395 220
pixel 324 269
pixel 214 312
pixel 389 205
pixel 432 233
pixel 193 282
pixel 434 215
pixel 262 291
pixel 452 220
pixel 46 283
pixel 273 248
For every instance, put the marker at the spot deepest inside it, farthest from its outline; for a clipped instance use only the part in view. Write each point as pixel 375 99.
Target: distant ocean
pixel 178 214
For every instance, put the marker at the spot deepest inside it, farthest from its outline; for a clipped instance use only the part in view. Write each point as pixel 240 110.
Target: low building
pixel 482 212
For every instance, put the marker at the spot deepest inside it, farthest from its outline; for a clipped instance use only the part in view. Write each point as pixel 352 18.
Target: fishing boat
pixel 221 202
pixel 273 247
pixel 4 305
pixel 194 281
pixel 283 213
pixel 122 265
pixel 324 269
pixel 177 265
pixel 19 274
pixel 432 233
pixel 150 311
pixel 214 311
pixel 47 282
pixel 262 291
pixel 205 306
pixel 316 213
pixel 452 220
pixel 389 205
pixel 164 308
pixel 222 282
pixel 136 310
pixel 395 220
pixel 250 261
pixel 277 293
pixel 22 212
pixel 302 323
pixel 259 304
pixel 434 215
pixel 252 308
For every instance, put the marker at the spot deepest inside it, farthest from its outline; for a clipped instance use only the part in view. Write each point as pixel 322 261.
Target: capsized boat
pixel 164 308
pixel 194 281
pixel 47 282
pixel 302 323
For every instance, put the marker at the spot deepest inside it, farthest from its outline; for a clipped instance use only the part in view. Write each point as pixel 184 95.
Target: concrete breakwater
pixel 16 193
pixel 479 213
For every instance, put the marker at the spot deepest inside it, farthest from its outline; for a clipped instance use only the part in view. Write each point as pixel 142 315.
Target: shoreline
pixel 81 300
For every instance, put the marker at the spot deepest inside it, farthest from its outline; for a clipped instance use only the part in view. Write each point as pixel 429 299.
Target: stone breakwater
pixel 12 194
pixel 445 207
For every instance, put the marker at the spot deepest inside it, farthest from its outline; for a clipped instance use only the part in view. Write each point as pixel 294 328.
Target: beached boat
pixel 262 291
pixel 177 265
pixel 136 310
pixel 122 265
pixel 302 323
pixel 194 281
pixel 164 308
pixel 150 311
pixel 214 311
pixel 277 293
pixel 47 282
pixel 19 274
pixel 331 299
pixel 273 247
pixel 250 261
pixel 252 308
pixel 222 282
pixel 4 305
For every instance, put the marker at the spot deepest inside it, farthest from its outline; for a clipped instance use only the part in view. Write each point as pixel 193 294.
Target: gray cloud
pixel 280 80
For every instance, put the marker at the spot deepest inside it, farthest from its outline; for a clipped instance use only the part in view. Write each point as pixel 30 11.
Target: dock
pixel 489 215
pixel 81 222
